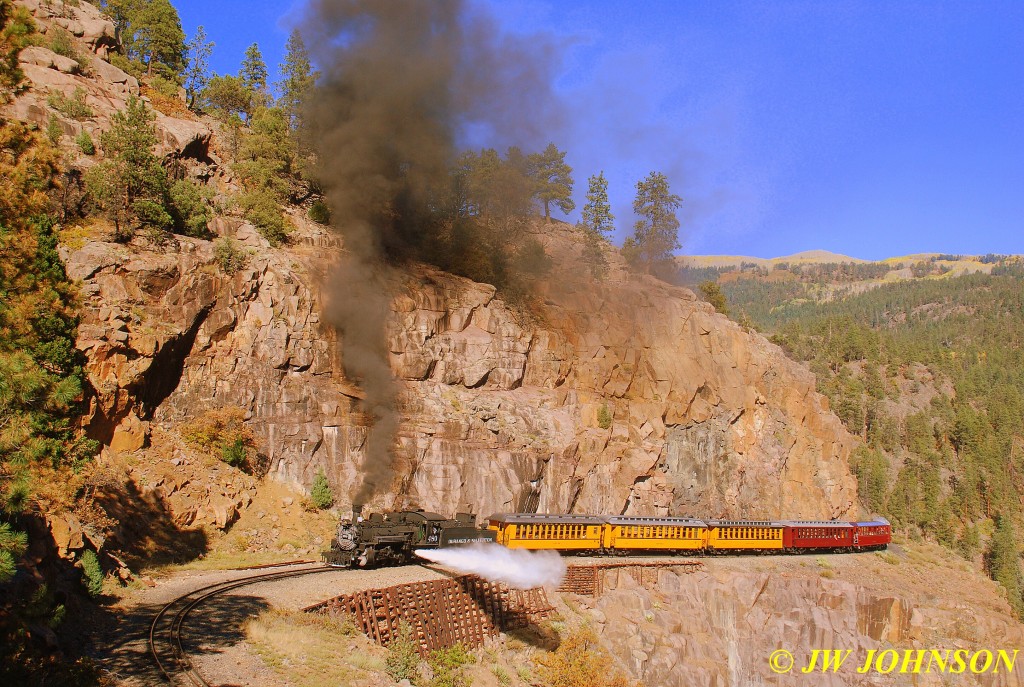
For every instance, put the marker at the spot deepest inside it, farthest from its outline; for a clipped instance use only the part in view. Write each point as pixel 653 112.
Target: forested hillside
pixel 929 372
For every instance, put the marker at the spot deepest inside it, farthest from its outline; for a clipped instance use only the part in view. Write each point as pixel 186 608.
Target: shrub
pixel 265 214
pixel 131 67
pixel 229 256
pixel 92 573
pixel 713 295
pixel 532 258
pixel 233 453
pixel 320 492
pixel 604 417
pixel 74 107
pixel 319 212
pixel 404 655
pixel 188 207
pixel 448 666
pixel 579 661
pixel 54 130
pixel 223 433
pixel 85 143
pixel 151 213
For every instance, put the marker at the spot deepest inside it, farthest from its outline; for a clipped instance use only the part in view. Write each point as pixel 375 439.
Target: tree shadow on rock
pixel 146 532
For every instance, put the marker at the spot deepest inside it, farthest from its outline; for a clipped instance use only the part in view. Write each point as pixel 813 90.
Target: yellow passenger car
pixel 731 535
pixel 635 533
pixel 557 532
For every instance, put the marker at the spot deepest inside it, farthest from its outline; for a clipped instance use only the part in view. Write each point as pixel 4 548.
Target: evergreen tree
pixel 130 184
pixel 656 233
pixel 552 179
pixel 713 295
pixel 597 224
pixel 597 213
pixel 227 97
pixel 151 30
pixel 297 79
pixel 197 74
pixel 253 75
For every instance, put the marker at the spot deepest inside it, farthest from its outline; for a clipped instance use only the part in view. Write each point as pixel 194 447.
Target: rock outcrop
pixel 720 626
pixel 500 407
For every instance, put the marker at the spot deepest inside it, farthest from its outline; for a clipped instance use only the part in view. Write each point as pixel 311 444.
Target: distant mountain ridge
pixel 823 257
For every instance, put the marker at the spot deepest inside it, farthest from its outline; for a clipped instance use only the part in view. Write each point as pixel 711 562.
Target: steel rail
pixel 174 632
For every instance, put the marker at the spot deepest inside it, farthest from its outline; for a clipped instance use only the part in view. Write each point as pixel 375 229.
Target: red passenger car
pixel 805 535
pixel 872 534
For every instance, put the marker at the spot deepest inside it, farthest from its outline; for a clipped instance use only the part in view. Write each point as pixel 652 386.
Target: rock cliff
pixel 500 404
pixel 624 396
pixel 719 626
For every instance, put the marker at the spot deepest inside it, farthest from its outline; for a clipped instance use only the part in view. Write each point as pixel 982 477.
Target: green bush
pixel 74 107
pixel 165 87
pixel 153 214
pixel 229 256
pixel 404 655
pixel 131 67
pixel 604 417
pixel 265 214
pixel 92 573
pixel 319 212
pixel 448 666
pixel 188 208
pixel 233 453
pixel 85 143
pixel 320 493
pixel 54 130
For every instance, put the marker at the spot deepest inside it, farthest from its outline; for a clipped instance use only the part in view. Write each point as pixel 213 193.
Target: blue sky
pixel 866 128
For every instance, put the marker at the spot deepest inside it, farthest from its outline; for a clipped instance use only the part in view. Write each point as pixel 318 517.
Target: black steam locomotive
pixel 390 538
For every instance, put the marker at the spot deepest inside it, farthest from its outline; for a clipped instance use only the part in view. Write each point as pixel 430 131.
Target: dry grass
pixel 310 650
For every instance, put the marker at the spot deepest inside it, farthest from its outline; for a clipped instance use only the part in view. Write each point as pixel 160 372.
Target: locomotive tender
pixel 390 539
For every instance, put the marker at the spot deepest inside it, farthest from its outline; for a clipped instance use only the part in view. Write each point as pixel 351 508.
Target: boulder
pixel 67 533
pixel 44 57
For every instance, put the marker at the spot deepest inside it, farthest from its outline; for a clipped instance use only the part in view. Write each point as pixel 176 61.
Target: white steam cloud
pixel 518 568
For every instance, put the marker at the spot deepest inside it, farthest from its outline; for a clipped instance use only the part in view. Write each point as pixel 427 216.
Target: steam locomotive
pixel 391 538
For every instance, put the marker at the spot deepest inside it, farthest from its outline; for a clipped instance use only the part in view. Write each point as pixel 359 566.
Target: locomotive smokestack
pixel 357 512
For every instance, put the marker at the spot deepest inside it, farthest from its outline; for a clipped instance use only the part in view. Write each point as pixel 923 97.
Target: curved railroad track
pixel 165 632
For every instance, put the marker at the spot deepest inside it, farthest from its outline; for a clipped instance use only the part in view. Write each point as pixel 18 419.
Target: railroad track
pixel 165 632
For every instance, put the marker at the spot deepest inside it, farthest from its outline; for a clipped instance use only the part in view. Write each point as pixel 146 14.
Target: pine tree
pixel 656 234
pixel 227 97
pixel 297 79
pixel 253 75
pixel 197 74
pixel 597 224
pixel 152 30
pixel 130 184
pixel 552 179
pixel 713 295
pixel 597 213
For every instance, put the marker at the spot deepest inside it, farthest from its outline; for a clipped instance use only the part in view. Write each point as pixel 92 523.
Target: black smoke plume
pixel 400 81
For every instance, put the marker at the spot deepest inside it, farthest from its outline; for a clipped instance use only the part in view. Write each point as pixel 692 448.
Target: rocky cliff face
pixel 503 407
pixel 500 408
pixel 719 626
